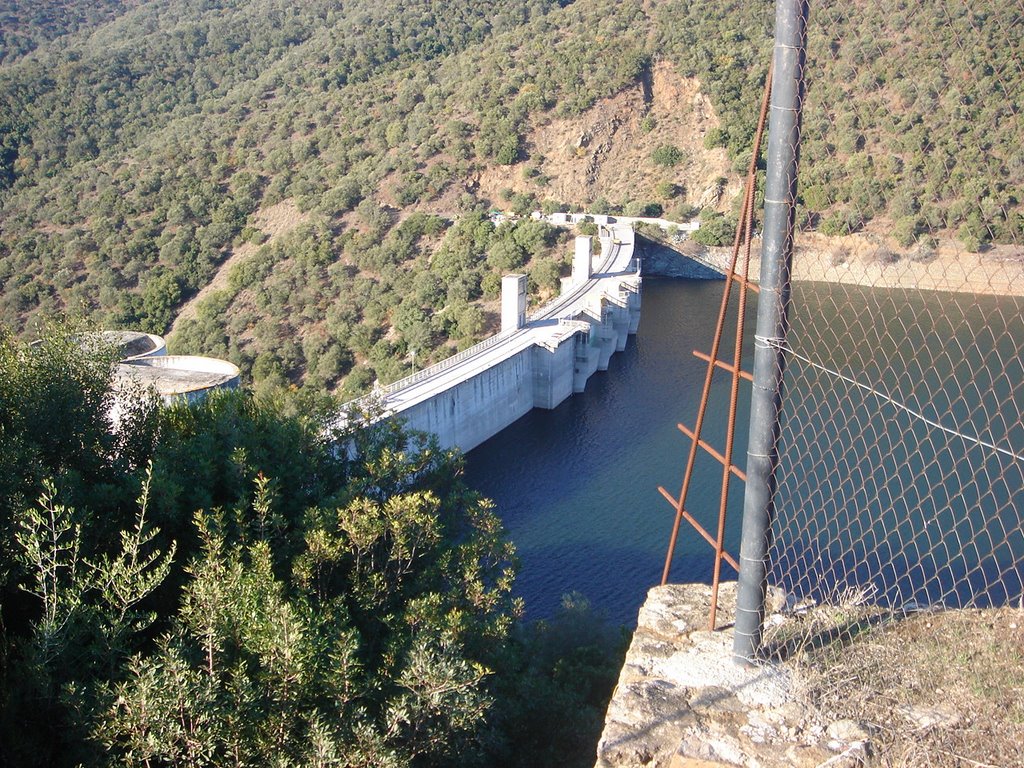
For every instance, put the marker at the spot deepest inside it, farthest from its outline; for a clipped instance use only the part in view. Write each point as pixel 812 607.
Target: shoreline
pixel 868 260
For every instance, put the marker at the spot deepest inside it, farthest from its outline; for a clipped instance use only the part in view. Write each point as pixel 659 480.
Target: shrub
pixel 716 137
pixel 668 189
pixel 715 229
pixel 668 156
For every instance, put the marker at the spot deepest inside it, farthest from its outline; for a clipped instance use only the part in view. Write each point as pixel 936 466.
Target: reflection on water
pixel 577 486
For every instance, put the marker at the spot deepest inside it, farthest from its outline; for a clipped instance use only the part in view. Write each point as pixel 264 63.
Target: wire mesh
pixel 898 490
pixel 893 478
pixel 901 452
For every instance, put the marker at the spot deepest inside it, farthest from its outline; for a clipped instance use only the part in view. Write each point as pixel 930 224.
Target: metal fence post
pixel 772 322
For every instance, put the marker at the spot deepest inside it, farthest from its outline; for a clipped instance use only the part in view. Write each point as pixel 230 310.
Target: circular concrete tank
pixel 131 345
pixel 180 377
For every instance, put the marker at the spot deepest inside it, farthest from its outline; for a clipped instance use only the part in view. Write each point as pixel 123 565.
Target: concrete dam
pixel 536 361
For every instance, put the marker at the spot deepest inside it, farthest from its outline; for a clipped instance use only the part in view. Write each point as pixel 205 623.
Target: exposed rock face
pixel 682 702
pixel 660 260
pixel 606 151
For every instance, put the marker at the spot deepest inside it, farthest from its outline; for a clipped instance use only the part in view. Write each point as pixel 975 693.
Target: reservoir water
pixel 577 486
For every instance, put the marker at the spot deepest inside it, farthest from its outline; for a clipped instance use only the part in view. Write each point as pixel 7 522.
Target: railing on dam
pixel 466 354
pixel 552 307
pixel 448 362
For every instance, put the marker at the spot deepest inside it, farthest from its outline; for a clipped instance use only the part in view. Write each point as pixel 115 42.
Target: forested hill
pixel 321 171
pixel 26 24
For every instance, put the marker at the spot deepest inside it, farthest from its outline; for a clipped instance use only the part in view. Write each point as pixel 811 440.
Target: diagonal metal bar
pixel 716 455
pixel 702 408
pixel 723 365
pixel 698 527
pixel 730 433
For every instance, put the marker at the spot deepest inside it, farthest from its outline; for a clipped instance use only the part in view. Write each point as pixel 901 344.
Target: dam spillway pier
pixel 536 361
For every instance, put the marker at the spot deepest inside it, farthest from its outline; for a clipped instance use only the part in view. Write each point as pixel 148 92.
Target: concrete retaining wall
pixel 553 367
pixel 480 407
pixel 661 260
pixel 541 376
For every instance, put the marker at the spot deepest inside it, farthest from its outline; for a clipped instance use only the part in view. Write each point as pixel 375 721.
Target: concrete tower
pixel 513 302
pixel 582 260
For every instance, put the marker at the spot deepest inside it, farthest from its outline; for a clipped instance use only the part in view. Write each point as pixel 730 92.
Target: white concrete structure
pixel 145 365
pixel 582 259
pixel 178 377
pixel 131 345
pixel 475 394
pixel 513 302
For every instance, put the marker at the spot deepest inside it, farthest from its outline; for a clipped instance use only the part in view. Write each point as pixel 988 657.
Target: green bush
pixel 223 564
pixel 667 190
pixel 668 156
pixel 716 137
pixel 715 229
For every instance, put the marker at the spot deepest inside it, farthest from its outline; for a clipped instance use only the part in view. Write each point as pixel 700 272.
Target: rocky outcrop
pixel 687 260
pixel 682 702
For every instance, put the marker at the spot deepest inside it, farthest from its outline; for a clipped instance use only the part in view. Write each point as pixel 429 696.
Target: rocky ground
pixel 929 689
pixel 606 151
pixel 682 702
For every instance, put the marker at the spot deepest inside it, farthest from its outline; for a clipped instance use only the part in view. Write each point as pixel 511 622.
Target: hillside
pixel 147 150
pixel 25 25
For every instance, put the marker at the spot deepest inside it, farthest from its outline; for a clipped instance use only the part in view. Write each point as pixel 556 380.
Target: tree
pixel 716 137
pixel 471 322
pixel 565 669
pixel 642 209
pixel 668 190
pixel 413 323
pixel 841 222
pixel 343 197
pixel 265 598
pixel 54 402
pixel 160 297
pixel 89 614
pixel 546 273
pixel 506 255
pixel 534 236
pixel 376 642
pixel 906 230
pixel 715 229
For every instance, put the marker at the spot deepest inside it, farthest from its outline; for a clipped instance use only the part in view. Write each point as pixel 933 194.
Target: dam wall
pixel 553 368
pixel 482 405
pixel 534 362
pixel 540 375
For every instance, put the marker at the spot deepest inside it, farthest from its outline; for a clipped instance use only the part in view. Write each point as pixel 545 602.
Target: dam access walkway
pixel 535 361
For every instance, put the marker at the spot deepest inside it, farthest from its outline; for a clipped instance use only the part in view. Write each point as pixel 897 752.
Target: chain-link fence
pixel 898 487
pixel 902 448
pixel 885 469
pixel 901 451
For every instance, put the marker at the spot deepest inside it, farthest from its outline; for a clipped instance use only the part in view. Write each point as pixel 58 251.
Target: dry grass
pixel 934 688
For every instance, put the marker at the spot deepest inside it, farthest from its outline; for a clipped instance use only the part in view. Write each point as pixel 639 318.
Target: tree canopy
pixel 142 143
pixel 235 582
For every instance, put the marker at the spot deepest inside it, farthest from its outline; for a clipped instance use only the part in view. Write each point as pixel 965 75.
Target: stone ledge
pixel 681 701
